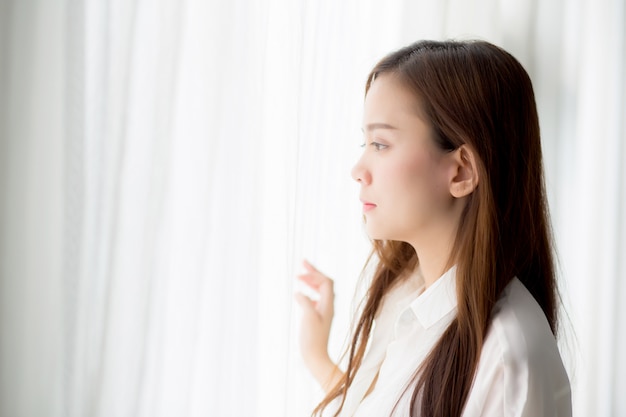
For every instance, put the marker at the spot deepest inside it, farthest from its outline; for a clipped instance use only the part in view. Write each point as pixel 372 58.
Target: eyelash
pixel 376 145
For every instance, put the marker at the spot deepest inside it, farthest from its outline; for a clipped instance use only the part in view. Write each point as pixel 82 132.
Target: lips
pixel 367 206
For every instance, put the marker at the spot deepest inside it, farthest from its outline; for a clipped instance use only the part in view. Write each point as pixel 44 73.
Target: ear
pixel 464 175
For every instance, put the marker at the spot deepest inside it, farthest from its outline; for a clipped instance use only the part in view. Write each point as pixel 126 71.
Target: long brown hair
pixel 478 95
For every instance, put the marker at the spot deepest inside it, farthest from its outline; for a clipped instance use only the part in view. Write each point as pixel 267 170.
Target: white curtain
pixel 165 165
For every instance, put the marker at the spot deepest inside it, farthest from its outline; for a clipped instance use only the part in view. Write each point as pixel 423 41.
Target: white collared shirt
pixel 520 372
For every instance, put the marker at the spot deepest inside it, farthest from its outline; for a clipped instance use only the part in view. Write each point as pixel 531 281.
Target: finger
pixel 305 302
pixel 313 280
pixel 312 274
pixel 308 266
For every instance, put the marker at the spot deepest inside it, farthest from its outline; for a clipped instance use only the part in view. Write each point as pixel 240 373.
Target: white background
pixel 165 165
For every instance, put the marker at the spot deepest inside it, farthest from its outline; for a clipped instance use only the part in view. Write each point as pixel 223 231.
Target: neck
pixel 433 253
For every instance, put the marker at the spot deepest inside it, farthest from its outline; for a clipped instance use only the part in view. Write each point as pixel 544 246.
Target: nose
pixel 360 173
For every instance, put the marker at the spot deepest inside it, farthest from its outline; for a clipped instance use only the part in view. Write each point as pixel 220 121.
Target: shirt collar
pixel 437 301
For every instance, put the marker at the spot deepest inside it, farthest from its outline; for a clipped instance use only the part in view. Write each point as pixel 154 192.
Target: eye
pixel 379 146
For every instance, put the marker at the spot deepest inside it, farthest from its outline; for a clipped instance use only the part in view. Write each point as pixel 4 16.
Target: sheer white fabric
pixel 164 166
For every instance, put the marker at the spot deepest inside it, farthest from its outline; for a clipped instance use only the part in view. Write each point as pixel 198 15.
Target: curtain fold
pixel 31 207
pixel 165 166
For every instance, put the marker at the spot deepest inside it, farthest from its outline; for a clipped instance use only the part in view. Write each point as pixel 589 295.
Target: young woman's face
pixel 404 176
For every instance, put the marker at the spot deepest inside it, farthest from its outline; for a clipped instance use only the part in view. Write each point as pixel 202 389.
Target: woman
pixel 461 313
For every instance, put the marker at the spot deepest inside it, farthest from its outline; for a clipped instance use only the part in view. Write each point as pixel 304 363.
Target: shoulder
pixel 520 372
pixel 519 326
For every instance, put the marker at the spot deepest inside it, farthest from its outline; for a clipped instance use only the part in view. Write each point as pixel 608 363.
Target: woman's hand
pixel 317 317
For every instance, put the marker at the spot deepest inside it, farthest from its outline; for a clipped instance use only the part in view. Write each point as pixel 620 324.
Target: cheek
pixel 415 171
pixel 422 182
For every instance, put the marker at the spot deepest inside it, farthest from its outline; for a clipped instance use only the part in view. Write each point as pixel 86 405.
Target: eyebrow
pixel 374 126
